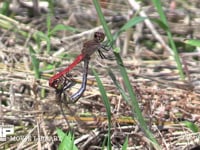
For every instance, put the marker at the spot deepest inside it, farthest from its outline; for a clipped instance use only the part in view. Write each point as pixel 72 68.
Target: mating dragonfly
pixel 61 80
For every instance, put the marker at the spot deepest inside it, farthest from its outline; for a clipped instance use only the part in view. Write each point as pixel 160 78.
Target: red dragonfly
pixel 60 80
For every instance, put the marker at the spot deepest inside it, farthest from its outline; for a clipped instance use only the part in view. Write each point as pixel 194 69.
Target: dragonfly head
pixel 56 84
pixel 99 37
pixel 61 83
pixel 53 83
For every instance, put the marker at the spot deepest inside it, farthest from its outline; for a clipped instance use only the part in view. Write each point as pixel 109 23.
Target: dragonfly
pixel 62 81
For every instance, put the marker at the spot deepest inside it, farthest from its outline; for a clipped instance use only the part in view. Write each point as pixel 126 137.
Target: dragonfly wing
pixel 106 46
pixel 107 55
pixel 101 54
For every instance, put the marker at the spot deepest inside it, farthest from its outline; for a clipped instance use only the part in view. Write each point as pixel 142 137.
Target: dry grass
pixel 30 105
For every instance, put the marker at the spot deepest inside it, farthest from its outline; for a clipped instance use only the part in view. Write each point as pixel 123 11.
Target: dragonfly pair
pixel 62 81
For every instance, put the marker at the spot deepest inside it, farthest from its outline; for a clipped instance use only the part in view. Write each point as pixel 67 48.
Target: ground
pixel 37 41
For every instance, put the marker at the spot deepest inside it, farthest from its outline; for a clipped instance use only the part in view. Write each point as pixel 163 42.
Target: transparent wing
pixel 105 51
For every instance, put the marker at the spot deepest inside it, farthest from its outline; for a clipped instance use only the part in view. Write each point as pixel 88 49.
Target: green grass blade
pixel 103 94
pixel 5 8
pixel 35 62
pixel 51 6
pixel 107 105
pixel 191 126
pixel 103 144
pixel 44 37
pixel 192 42
pixel 60 134
pixel 48 22
pixel 102 20
pixel 160 23
pixel 67 140
pixel 61 27
pixel 158 6
pixel 132 22
pixel 135 105
pixel 111 74
pixel 125 145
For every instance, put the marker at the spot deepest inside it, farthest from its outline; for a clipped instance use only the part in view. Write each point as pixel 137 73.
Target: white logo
pixel 5 130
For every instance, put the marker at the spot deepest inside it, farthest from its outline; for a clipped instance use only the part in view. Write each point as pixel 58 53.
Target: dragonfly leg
pixel 80 92
pixel 68 85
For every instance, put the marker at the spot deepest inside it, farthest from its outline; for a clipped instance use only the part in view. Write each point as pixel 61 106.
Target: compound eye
pixel 55 84
pixel 95 35
pixel 99 36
